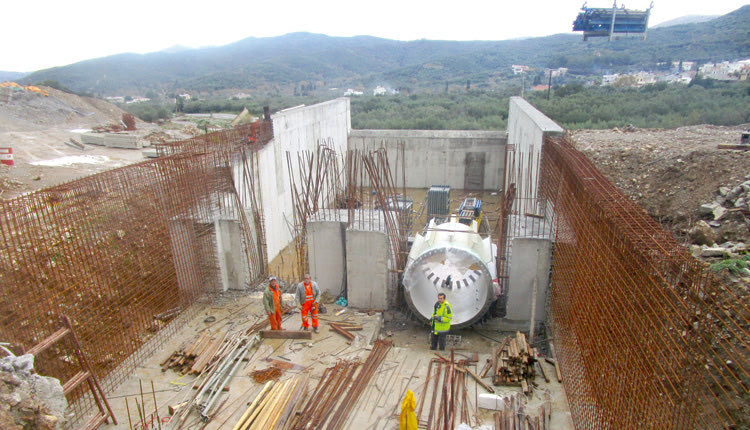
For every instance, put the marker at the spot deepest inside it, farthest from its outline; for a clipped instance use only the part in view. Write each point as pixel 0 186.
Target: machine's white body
pixel 456 250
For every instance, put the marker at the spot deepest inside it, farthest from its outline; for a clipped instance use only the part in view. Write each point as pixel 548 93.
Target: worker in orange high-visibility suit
pixel 272 303
pixel 307 296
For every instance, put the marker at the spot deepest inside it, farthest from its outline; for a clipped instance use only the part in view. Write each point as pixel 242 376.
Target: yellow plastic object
pixel 408 420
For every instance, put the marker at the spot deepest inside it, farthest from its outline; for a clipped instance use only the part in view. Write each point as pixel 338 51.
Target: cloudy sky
pixel 49 33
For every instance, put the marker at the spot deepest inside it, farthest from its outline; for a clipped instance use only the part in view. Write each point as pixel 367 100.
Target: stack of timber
pixel 513 363
pixel 194 355
pixel 273 407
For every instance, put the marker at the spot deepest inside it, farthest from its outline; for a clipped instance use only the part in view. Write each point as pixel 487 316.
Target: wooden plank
pixel 205 356
pixel 478 379
pixel 544 374
pixel 286 334
pixel 342 332
pixel 557 371
pixel 75 381
pixel 96 421
pixel 732 146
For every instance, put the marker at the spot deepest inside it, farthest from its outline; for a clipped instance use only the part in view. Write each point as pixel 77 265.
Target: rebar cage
pixel 645 334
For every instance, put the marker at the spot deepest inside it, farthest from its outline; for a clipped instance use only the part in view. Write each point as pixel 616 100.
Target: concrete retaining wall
pixel 295 130
pixel 461 159
pixel 527 129
pixel 529 239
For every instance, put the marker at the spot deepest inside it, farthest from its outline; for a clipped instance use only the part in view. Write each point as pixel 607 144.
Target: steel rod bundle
pixel 330 389
pixel 377 355
pixel 449 400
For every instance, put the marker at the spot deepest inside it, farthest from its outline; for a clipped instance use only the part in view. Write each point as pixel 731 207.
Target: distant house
pixel 726 71
pixel 379 91
pixel 540 88
pixel 644 78
pixel 518 69
pixel 609 79
pixel 185 96
pixel 351 92
pixel 559 72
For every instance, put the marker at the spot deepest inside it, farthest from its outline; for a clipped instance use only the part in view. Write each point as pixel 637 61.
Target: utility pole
pixel 523 81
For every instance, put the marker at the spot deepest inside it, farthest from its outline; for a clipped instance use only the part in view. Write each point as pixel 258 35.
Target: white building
pixel 379 91
pixel 609 79
pixel 351 92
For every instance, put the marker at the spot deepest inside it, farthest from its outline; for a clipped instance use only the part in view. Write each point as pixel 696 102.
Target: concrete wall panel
pixel 326 254
pixel 436 157
pixel 529 261
pixel 232 265
pixel 367 269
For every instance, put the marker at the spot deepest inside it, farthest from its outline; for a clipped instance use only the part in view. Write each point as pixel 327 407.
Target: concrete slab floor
pixel 405 367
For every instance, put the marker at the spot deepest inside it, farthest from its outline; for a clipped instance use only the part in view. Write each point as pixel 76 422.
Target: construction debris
pixel 514 415
pixel 265 375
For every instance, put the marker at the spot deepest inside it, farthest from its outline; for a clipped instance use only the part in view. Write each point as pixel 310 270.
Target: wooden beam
pixel 286 334
pixel 544 374
pixel 341 331
pixel 732 146
pixel 478 379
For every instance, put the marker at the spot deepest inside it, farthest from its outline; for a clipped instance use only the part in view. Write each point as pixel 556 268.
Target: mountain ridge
pixel 303 62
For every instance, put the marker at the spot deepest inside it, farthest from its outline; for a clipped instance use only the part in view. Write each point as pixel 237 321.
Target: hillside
pixel 304 62
pixel 29 111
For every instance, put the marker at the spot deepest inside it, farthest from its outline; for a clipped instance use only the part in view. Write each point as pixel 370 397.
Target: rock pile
pixel 27 400
pixel 725 221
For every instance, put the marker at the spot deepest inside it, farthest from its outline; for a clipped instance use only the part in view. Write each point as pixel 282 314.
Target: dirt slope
pixel 36 128
pixel 30 111
pixel 670 173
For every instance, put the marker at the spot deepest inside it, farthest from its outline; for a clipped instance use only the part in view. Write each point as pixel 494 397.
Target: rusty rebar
pixel 645 334
pixel 114 249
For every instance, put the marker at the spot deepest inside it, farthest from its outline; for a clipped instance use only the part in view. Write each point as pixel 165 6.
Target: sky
pixel 49 33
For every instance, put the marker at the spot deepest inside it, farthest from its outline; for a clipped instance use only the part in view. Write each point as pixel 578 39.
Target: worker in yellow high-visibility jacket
pixel 441 322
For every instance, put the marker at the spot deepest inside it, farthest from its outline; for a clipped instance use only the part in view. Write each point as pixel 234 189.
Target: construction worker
pixel 441 322
pixel 307 296
pixel 272 303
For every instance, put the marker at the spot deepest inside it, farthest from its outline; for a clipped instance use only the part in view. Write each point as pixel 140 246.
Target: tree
pixel 180 104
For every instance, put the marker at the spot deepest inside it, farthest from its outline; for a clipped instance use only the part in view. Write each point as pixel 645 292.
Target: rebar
pixel 645 335
pixel 115 249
